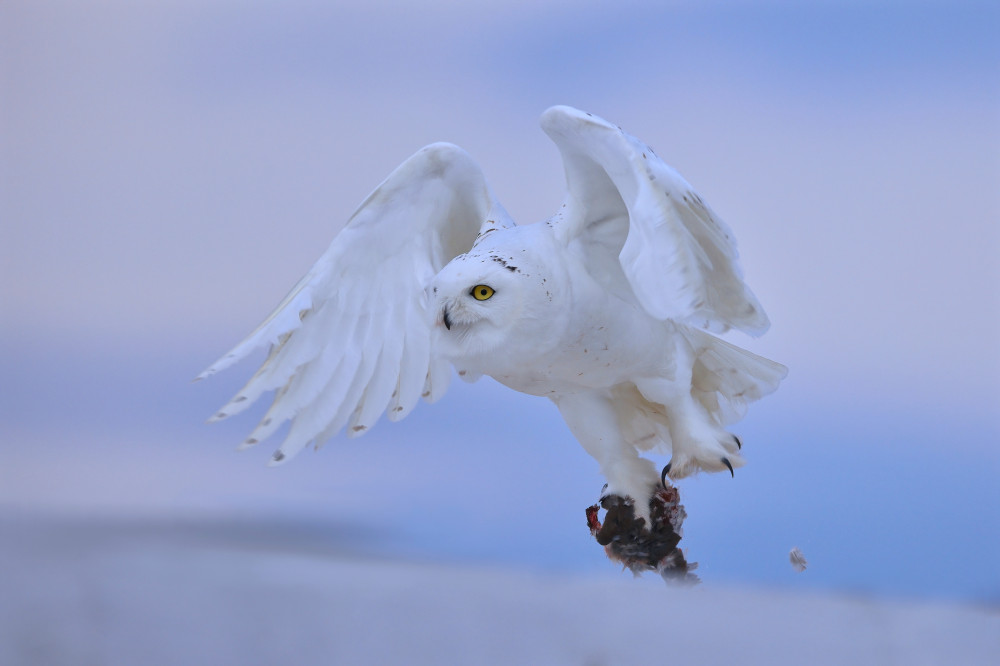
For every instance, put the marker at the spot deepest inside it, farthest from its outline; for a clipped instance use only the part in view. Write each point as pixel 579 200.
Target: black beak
pixel 447 319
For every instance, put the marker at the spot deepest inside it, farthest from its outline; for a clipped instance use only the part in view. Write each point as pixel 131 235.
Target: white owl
pixel 605 308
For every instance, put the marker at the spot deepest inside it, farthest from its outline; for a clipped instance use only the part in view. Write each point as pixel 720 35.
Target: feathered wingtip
pixel 286 317
pixel 222 363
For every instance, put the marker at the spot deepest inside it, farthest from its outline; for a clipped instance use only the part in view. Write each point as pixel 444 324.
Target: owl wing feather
pixel 630 209
pixel 352 339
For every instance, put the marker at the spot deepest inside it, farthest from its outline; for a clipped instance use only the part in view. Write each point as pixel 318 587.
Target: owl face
pixel 478 300
pixel 502 303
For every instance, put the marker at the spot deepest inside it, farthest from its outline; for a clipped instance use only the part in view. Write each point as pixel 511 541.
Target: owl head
pixel 480 298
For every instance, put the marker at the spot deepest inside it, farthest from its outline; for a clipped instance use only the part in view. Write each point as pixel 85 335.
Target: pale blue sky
pixel 169 172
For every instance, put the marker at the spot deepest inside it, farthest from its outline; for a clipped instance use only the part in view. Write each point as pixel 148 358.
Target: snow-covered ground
pixel 171 591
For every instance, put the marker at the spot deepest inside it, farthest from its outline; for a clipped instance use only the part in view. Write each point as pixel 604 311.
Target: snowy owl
pixel 607 308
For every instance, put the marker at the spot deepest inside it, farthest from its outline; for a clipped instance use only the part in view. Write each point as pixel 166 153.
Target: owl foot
pixel 716 454
pixel 666 470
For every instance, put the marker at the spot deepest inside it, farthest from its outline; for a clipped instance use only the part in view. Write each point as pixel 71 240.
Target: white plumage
pixel 604 308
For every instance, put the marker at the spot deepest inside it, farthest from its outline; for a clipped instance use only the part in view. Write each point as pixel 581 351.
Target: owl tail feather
pixel 726 378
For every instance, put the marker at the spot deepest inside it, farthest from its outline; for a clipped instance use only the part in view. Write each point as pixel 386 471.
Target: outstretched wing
pixel 638 217
pixel 352 339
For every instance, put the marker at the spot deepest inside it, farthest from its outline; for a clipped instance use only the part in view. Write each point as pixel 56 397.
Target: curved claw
pixel 663 475
pixel 739 444
pixel 725 461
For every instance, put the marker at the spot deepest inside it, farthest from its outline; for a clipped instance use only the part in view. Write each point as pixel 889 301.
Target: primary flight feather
pixel 607 308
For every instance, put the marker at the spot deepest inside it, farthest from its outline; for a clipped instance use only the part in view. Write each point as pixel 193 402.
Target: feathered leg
pixel 593 421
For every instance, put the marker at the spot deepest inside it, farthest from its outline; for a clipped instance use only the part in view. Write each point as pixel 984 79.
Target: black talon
pixel 730 466
pixel 663 475
pixel 739 444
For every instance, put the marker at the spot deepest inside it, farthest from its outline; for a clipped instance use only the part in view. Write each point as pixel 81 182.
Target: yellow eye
pixel 482 292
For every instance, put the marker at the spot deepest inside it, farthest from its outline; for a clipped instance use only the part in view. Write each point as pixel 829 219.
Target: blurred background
pixel 169 170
